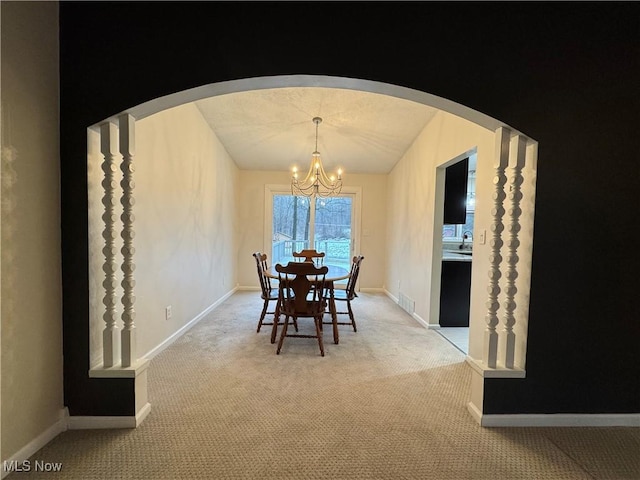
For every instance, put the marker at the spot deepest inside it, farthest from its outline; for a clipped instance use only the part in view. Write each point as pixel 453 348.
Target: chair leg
pixel 262 315
pixel 283 334
pixel 318 322
pixel 274 329
pixel 353 320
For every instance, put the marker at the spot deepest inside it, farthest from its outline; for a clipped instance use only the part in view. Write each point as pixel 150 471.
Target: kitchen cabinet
pixel 455 293
pixel 455 192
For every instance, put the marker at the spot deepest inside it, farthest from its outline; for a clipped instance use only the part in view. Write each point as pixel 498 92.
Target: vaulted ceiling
pixel 272 129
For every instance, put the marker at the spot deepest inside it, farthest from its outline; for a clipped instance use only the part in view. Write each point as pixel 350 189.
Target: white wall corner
pixel 61 425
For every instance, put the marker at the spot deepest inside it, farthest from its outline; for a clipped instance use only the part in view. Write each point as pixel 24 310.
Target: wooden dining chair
pixel 302 295
pixel 309 255
pixel 349 293
pixel 268 293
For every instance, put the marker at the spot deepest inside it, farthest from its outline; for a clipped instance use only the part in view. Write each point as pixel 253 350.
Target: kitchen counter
pixel 453 256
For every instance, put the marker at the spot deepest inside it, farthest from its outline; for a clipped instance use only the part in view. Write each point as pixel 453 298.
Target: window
pixel 326 224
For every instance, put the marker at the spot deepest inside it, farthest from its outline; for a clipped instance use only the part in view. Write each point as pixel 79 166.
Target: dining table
pixel 334 274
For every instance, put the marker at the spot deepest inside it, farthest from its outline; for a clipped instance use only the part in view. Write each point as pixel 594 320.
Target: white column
pixel 110 334
pixel 508 337
pixel 127 149
pixel 490 353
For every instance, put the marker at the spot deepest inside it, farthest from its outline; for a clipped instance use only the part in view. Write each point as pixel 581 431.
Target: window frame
pixel 278 189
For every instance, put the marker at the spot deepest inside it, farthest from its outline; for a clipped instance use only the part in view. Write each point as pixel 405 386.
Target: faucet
pixel 465 236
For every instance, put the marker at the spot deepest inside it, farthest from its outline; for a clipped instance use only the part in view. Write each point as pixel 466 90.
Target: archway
pixel 498 346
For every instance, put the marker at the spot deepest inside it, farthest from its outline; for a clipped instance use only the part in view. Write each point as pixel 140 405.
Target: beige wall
pixel 251 193
pixel 32 397
pixel 415 212
pixel 185 225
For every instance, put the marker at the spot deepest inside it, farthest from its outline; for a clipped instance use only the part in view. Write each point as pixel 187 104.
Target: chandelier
pixel 317 182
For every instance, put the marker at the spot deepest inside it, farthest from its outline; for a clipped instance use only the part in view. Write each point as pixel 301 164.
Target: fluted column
pixel 508 337
pixel 490 353
pixel 127 149
pixel 110 334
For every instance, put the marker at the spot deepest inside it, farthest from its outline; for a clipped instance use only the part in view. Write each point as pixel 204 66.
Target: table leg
pixel 334 314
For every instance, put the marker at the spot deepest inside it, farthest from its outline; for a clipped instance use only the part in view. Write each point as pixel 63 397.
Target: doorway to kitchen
pixel 457 249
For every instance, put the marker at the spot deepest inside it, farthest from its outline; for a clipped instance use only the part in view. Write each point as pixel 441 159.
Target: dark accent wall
pixel 565 74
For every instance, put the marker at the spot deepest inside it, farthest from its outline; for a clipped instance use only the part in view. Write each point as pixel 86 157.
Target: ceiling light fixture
pixel 317 182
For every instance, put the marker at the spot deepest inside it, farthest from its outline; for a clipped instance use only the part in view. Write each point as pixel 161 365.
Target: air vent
pixel 406 303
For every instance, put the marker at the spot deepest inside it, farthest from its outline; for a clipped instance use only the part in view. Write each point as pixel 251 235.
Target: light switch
pixel 483 237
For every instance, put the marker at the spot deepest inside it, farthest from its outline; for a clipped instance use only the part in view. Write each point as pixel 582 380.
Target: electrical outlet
pixel 167 312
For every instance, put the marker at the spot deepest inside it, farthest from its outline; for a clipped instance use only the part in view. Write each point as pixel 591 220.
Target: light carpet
pixel 388 402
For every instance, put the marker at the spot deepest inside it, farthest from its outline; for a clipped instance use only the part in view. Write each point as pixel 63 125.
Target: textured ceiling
pixel 272 129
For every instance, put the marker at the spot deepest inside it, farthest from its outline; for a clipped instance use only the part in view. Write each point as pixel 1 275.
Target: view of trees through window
pixel 293 227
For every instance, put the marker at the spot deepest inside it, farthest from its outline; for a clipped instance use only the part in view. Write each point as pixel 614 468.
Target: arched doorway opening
pixel 140 140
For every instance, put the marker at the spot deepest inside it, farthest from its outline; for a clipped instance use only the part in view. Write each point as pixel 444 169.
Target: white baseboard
pixel 372 290
pixel 475 413
pixel 390 295
pixel 37 443
pixel 424 323
pixel 91 422
pixel 556 419
pixel 414 315
pixel 182 330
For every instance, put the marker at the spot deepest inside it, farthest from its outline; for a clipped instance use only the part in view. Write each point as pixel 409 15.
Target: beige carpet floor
pixel 388 402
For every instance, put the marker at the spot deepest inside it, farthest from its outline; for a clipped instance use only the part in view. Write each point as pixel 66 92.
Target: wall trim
pixel 414 315
pixel 499 372
pixel 555 419
pixel 182 330
pixel 135 370
pixel 390 295
pixel 106 422
pixel 421 320
pixel 40 441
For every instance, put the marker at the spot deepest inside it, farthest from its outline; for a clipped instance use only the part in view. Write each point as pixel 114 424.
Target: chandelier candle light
pixel 317 182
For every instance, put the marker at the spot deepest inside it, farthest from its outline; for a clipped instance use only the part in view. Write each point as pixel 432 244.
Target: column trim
pixel 119 371
pixel 108 422
pixel 555 419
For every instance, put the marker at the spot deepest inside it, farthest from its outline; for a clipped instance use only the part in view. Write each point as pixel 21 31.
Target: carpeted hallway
pixel 388 402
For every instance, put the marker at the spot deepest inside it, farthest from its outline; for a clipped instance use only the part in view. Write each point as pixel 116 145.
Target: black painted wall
pixel 566 74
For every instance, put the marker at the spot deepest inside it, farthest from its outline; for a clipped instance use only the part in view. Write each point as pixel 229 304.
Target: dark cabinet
pixel 455 294
pixel 455 192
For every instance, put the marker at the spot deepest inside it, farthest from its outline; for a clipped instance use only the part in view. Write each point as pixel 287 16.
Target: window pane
pixel 332 230
pixel 290 227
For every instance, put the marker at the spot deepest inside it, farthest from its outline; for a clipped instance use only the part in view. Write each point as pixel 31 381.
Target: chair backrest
pixel 353 277
pixel 299 281
pixel 308 255
pixel 261 264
